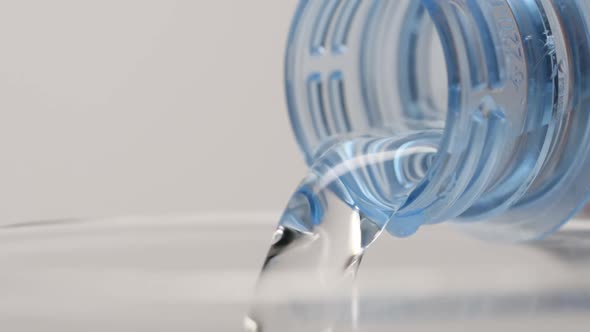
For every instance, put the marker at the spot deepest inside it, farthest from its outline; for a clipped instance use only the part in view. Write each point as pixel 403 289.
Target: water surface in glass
pixel 196 274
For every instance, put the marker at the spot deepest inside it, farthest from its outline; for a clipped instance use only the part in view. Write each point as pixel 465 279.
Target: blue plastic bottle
pixel 498 89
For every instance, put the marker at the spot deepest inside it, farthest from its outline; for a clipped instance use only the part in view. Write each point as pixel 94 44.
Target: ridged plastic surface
pixel 499 87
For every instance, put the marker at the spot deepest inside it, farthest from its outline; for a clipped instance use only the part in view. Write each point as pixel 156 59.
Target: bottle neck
pixel 509 91
pixel 511 109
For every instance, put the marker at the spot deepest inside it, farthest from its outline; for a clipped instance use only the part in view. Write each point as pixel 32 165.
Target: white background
pixel 135 107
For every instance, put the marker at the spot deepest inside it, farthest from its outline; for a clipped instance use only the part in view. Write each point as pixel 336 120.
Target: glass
pixel 197 274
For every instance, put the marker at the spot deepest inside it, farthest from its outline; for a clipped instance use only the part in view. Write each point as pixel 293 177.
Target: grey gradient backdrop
pixel 142 107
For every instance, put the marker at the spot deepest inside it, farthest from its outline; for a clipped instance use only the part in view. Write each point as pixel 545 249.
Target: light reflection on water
pixel 181 274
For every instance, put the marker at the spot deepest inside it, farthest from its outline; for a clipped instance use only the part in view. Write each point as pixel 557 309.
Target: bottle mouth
pixel 494 78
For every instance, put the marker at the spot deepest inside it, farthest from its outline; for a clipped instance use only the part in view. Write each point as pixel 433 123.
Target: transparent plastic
pixel 497 87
